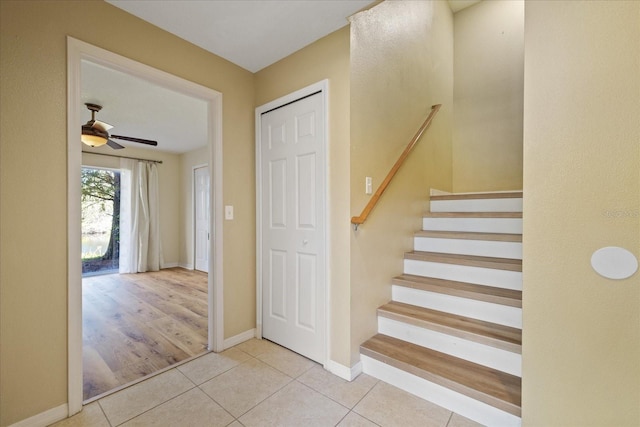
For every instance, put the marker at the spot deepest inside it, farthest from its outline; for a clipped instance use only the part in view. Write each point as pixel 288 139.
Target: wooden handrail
pixel 357 220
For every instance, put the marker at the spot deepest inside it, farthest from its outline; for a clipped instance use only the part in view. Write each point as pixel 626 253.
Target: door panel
pixel 201 215
pixel 278 285
pixel 278 189
pixel 292 154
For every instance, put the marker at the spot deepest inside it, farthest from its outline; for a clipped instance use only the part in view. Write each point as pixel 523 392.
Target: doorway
pixel 201 217
pixel 76 53
pixel 291 139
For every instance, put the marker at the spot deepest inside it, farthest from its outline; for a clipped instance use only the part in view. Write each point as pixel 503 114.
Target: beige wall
pixel 401 64
pixel 33 174
pixel 581 334
pixel 328 58
pixel 188 161
pixel 488 96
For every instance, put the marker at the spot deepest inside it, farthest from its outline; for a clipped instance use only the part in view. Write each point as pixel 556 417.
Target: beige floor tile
pixel 255 346
pixel 212 364
pixel 346 393
pixel 130 402
pixel 460 421
pixel 91 416
pixel 295 405
pixel 354 420
pixel 243 387
pixel 191 409
pixel 286 361
pixel 236 424
pixel 389 406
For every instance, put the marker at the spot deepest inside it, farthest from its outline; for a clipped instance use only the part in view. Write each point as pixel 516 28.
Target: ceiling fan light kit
pixel 95 133
pixel 93 140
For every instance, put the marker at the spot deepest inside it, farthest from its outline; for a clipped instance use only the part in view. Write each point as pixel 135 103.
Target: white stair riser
pixel 449 399
pixel 479 225
pixel 488 248
pixel 481 310
pixel 477 205
pixel 496 358
pixel 463 273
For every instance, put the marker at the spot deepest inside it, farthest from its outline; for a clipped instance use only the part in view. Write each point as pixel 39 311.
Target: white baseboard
pixel 45 418
pixel 342 371
pixel 240 338
pixel 168 265
pixel 185 266
pixel 436 192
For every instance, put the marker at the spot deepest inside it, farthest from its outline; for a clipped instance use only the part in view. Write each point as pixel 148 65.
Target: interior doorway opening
pixel 79 52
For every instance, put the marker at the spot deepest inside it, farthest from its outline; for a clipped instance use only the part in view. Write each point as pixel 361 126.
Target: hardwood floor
pixel 137 324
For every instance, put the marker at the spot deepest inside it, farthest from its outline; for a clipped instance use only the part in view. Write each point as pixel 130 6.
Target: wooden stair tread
pixel 484 293
pixel 471 196
pixel 487 385
pixel 496 237
pixel 472 214
pixel 492 334
pixel 466 260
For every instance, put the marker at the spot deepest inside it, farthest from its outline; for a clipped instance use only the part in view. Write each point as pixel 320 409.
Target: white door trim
pixel 76 52
pixel 193 207
pixel 323 87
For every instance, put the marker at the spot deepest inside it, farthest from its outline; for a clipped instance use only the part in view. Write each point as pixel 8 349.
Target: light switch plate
pixel 368 186
pixel 228 212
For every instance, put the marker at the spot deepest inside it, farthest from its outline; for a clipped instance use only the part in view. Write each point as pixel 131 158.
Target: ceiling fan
pixel 96 133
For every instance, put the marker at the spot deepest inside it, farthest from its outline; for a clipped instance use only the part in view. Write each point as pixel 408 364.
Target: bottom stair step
pixel 492 387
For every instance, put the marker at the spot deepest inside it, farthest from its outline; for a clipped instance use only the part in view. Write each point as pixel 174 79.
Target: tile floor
pixel 258 383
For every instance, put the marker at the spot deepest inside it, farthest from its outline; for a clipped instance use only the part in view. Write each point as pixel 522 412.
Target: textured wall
pixel 488 96
pixel 401 64
pixel 581 334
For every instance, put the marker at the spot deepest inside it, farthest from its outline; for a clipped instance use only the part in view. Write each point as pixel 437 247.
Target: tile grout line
pixel 166 401
pixel 365 395
pixel 254 406
pixel 449 420
pixel 331 398
pixel 103 413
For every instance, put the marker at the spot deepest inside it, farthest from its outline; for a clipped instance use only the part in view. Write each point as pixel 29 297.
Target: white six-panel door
pixel 292 151
pixel 201 218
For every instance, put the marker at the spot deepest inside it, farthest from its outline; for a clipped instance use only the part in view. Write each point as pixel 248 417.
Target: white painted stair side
pixel 477 205
pixel 464 273
pixel 497 249
pixel 496 358
pixel 445 397
pixel 481 310
pixel 480 225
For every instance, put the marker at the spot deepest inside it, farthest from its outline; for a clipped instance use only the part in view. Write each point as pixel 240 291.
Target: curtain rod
pixel 123 157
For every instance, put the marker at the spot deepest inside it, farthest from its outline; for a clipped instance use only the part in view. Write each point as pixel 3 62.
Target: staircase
pixel 453 332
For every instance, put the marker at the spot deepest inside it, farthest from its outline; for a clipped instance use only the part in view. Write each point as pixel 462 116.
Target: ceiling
pixel 250 33
pixel 138 108
pixel 458 5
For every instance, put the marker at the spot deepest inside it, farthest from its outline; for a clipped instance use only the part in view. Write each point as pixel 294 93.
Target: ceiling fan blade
pixel 139 140
pixel 114 144
pixel 102 125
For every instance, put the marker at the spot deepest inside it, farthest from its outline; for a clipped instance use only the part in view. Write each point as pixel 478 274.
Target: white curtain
pixel 140 247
